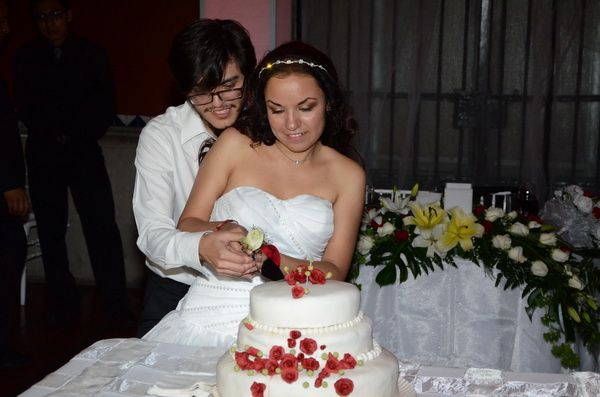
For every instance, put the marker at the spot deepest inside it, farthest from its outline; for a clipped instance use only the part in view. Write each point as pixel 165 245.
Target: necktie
pixel 204 148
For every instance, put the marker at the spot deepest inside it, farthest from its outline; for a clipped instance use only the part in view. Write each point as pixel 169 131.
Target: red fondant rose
pixel 308 346
pixel 241 359
pixel 258 389
pixel 333 365
pixel 253 351
pixel 317 277
pixel 291 343
pixel 343 386
pixel 259 364
pixel 276 352
pixel 297 291
pixel 295 334
pixel 290 375
pixel 271 366
pixel 310 364
pixel 348 362
pixel 288 361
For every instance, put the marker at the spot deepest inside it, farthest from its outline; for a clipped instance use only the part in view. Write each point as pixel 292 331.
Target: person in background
pixel 286 167
pixel 210 60
pixel 65 97
pixel 14 207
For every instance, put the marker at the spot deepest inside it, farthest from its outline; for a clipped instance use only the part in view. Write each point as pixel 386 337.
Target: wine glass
pixel 526 200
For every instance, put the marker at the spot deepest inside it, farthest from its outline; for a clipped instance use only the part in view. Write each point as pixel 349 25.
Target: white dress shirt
pixel 166 164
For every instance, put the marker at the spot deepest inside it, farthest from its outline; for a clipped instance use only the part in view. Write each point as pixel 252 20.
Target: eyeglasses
pixel 51 16
pixel 206 98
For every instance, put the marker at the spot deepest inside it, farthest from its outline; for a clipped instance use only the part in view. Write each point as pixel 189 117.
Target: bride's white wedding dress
pixel 212 309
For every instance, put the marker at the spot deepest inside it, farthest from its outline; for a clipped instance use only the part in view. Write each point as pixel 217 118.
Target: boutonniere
pixel 255 242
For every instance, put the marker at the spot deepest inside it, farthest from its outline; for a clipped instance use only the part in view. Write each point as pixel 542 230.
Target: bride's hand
pixel 222 252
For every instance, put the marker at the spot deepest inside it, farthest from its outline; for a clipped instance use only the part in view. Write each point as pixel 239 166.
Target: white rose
pixel 575 282
pixel 364 245
pixel 516 254
pixel 512 215
pixel 386 229
pixel 253 240
pixel 501 242
pixel 492 214
pixel 533 225
pixel 539 268
pixel 548 238
pixel 519 229
pixel 560 255
pixel 584 204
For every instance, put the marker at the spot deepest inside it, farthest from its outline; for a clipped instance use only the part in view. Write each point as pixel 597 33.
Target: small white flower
pixel 533 225
pixel 516 254
pixel 512 215
pixel 548 238
pixel 539 268
pixel 575 282
pixel 519 229
pixel 386 229
pixel 492 214
pixel 502 242
pixel 371 215
pixel 364 245
pixel 583 204
pixel 559 255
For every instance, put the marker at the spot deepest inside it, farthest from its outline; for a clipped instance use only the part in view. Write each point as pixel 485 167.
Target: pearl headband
pixel 289 62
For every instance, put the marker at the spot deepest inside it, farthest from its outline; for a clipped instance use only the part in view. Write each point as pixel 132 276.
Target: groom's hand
pixel 222 252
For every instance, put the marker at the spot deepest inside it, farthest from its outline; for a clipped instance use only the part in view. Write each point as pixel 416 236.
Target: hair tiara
pixel 289 62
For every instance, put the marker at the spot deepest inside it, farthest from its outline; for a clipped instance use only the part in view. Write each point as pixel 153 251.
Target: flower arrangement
pixel 402 235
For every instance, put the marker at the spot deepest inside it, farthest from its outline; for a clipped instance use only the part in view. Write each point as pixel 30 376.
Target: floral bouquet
pixel 576 214
pixel 403 236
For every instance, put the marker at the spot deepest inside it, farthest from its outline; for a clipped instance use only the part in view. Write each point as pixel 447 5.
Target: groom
pixel 209 60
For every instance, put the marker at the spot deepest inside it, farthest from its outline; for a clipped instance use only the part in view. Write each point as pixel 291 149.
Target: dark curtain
pixel 497 93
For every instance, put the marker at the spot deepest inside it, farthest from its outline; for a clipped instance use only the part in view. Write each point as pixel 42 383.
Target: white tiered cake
pixel 319 344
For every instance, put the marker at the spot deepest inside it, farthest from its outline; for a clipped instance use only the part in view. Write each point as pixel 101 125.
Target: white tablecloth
pixel 458 318
pixel 129 367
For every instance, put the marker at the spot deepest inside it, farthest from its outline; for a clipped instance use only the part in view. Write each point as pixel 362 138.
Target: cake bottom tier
pixel 375 378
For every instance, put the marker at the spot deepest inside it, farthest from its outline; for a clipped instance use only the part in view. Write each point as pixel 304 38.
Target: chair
pixel 373 195
pixel 502 200
pixel 33 250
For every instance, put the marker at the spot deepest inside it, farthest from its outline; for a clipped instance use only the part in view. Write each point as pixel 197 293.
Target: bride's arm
pixel 216 248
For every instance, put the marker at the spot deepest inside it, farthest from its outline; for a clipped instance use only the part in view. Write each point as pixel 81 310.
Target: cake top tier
pixel 322 305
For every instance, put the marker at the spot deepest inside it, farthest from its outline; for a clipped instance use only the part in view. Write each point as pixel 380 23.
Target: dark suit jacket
pixel 70 100
pixel 12 167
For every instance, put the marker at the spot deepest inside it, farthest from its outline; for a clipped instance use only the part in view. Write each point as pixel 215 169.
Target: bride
pixel 286 168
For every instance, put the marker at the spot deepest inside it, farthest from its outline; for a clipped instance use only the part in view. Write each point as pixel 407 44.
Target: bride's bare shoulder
pixel 233 139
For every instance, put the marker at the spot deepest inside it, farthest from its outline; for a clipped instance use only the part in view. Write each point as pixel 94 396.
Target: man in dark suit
pixel 65 97
pixel 14 207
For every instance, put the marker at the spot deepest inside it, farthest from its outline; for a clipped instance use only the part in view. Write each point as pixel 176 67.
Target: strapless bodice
pixel 299 226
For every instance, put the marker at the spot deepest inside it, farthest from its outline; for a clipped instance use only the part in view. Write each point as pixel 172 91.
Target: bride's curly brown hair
pixel 340 125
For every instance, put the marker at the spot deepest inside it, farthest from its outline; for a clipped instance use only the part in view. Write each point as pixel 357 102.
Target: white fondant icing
pixel 325 304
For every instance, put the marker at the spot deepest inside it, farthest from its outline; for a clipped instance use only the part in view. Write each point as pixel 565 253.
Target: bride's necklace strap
pixel 297 163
